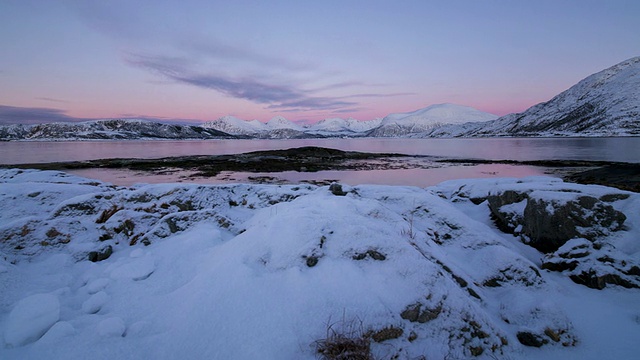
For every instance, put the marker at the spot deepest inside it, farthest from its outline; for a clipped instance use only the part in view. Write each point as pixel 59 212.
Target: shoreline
pixel 310 159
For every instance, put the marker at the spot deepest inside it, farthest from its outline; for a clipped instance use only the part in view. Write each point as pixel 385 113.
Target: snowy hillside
pixel 167 271
pixel 280 127
pixel 427 119
pixel 276 128
pixel 604 104
pixel 343 126
pixel 235 126
pixel 117 129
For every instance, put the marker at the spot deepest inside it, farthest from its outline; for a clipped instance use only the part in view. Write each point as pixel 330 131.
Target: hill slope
pixel 117 129
pixel 606 103
pixel 427 119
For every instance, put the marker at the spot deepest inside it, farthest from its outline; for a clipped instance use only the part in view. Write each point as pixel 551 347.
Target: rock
pixel 546 224
pixel 599 281
pixel 336 189
pixel 413 313
pixel 387 333
pixel 103 254
pixel 594 266
pixel 312 261
pixel 529 339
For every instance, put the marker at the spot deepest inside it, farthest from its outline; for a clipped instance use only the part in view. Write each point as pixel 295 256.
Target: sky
pixel 194 61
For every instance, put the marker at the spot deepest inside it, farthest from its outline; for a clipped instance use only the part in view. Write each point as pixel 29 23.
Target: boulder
pixel 547 222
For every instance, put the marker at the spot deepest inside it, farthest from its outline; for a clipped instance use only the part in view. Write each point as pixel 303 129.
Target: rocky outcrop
pixel 594 264
pixel 546 223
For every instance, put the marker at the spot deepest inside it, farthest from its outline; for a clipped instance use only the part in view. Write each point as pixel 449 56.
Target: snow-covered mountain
pixel 429 118
pixel 276 128
pixel 165 271
pixel 279 127
pixel 343 126
pixel 117 129
pixel 232 125
pixel 606 103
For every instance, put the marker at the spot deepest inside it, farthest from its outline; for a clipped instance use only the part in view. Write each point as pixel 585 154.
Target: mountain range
pixel 606 103
pixel 113 129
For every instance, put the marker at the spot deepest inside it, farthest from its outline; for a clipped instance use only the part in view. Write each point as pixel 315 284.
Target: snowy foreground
pixel 264 272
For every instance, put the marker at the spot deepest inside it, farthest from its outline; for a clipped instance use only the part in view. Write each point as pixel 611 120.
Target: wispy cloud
pixel 276 96
pixel 51 99
pixel 37 115
pixel 34 115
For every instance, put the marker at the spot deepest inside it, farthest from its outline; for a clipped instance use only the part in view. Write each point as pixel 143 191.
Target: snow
pixel 428 119
pixel 31 318
pixel 603 104
pixel 260 271
pixel 111 327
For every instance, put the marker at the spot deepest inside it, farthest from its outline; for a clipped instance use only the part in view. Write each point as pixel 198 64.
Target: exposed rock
pixel 413 313
pixel 529 339
pixel 336 189
pixel 312 261
pixel 375 255
pixel 594 266
pixel 387 333
pixel 546 224
pixel 100 255
pixel 599 281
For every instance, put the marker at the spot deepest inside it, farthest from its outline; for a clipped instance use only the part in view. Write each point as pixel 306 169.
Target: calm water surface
pixel 608 149
pixel 604 149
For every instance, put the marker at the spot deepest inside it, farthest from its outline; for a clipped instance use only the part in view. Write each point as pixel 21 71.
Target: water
pixel 602 149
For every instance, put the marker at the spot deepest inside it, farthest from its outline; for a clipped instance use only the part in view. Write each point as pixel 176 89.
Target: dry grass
pixel 344 341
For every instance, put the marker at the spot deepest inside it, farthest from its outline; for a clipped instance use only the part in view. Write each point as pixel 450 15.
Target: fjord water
pixel 623 149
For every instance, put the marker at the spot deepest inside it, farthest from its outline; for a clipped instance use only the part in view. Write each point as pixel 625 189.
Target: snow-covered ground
pixel 263 271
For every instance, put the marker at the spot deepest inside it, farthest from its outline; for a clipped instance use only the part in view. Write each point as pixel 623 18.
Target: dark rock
pixel 412 336
pixel 375 255
pixel 312 261
pixel 359 256
pixel 635 270
pixel 413 313
pixel 387 333
pixel 528 339
pixel 336 189
pixel 476 350
pixel 547 225
pixel 559 266
pixel 593 280
pixel 100 255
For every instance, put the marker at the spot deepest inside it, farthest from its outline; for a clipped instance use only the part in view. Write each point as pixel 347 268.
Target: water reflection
pixel 408 177
pixel 606 149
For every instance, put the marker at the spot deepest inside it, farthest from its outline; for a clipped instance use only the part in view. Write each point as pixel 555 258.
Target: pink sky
pixel 198 60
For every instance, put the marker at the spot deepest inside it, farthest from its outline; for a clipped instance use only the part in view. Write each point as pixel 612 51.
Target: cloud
pixel 33 115
pixel 276 96
pixel 51 99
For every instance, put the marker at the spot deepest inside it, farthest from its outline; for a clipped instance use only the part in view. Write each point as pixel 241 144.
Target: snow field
pixel 261 271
